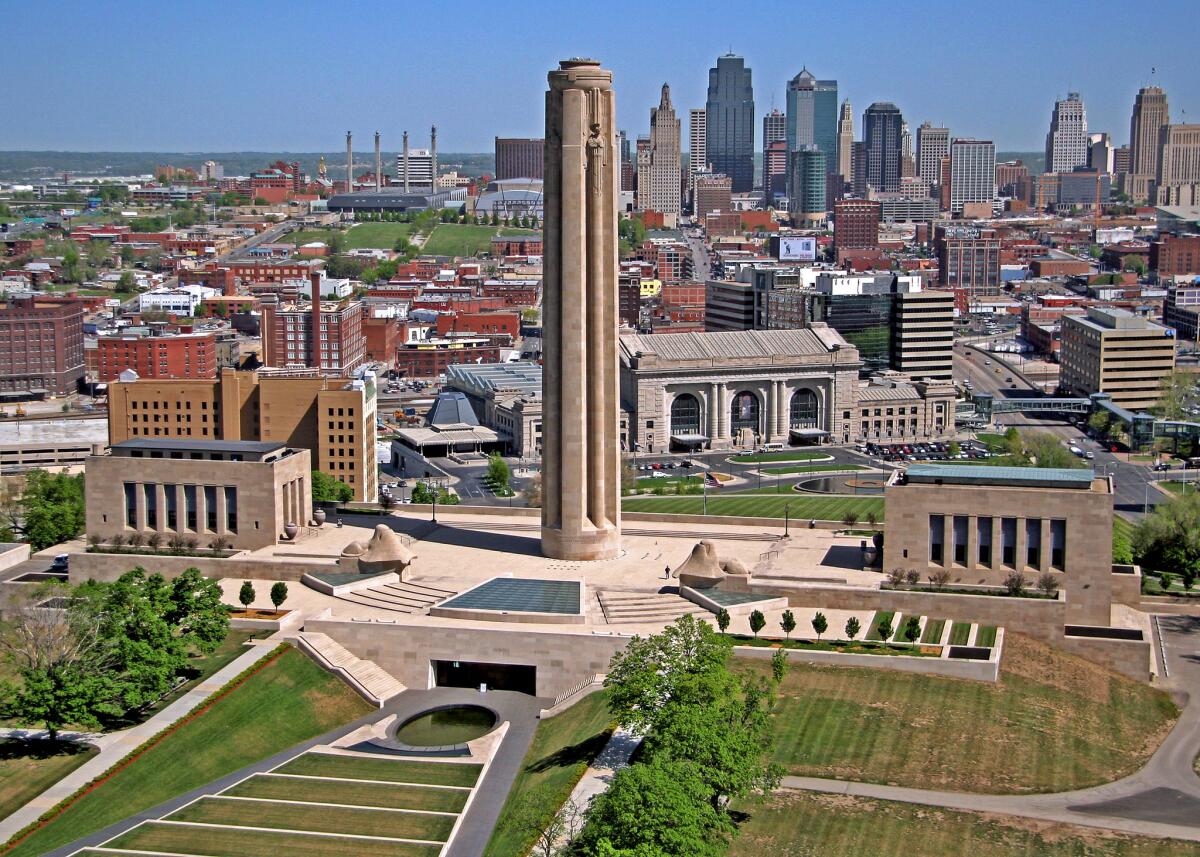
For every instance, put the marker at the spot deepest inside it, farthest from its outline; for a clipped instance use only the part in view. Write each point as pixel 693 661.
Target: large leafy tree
pixel 51 509
pixel 326 489
pixel 1168 539
pixel 196 611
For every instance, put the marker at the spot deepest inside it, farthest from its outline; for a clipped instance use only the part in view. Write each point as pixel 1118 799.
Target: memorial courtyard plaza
pixel 628 593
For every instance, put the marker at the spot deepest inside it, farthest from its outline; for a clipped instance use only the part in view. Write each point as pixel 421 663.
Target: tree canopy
pixel 50 511
pixel 327 489
pixel 1168 539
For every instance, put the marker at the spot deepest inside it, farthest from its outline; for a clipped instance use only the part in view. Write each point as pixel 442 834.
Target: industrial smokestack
pixel 406 186
pixel 349 164
pixel 378 166
pixel 433 156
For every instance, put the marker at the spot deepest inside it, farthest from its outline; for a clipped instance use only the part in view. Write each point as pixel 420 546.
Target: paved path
pixel 599 775
pixel 476 827
pixel 1160 799
pixel 115 746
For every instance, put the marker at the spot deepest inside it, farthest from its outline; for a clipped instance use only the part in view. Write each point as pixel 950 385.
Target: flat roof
pixel 159 443
pixel 37 431
pixel 977 474
pixel 521 595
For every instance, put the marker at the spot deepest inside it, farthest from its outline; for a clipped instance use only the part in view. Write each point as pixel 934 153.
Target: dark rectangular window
pixel 983 538
pixel 210 508
pixel 189 507
pixel 960 539
pixel 937 535
pixel 1008 541
pixel 131 504
pixel 1058 544
pixel 172 510
pixel 151 494
pixel 1033 542
pixel 231 509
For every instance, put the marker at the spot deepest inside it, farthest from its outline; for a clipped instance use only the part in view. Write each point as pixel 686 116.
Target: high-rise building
pixel 1067 140
pixel 1100 152
pixel 855 225
pixel 845 142
pixel 333 418
pixel 697 142
pixel 972 176
pixel 713 193
pixel 775 170
pixel 882 129
pixel 812 114
pixel 968 262
pixel 628 182
pixel 729 125
pixel 1178 178
pixel 1122 160
pixel 519 158
pixel 806 186
pixel 416 170
pixel 933 144
pixel 908 162
pixel 658 188
pixel 858 168
pixel 1116 352
pixel 1151 114
pixel 41 340
pixel 774 128
pixel 1009 177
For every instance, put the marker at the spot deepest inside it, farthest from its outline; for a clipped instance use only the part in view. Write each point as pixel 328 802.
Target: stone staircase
pixel 623 606
pixel 402 597
pixel 367 678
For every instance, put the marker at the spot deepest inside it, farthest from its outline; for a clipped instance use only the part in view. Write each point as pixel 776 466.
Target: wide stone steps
pixel 402 597
pixel 645 607
pixel 367 678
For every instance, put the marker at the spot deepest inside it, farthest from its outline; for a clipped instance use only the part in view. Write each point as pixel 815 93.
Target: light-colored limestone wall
pixel 405 651
pixel 976 670
pixel 108 566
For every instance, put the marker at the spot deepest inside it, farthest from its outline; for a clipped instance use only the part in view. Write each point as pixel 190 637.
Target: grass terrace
pixel 371 235
pixel 765 505
pixel 284 702
pixel 1053 722
pixel 28 768
pixel 459 239
pixel 382 770
pixel 805 823
pixel 234 842
pixel 762 457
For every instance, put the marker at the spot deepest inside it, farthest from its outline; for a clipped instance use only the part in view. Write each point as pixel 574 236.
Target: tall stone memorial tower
pixel 580 455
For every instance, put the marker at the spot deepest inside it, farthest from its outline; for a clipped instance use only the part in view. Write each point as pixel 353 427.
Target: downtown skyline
pixel 268 84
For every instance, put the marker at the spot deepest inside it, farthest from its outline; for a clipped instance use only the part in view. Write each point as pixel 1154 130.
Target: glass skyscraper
pixel 730 121
pixel 882 132
pixel 812 115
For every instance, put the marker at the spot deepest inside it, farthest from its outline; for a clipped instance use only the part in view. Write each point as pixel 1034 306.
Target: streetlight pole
pixel 786 509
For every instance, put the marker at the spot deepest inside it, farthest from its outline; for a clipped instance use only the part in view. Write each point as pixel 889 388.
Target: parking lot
pixel 933 451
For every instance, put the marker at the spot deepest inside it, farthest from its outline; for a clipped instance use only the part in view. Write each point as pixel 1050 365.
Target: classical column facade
pixel 580 458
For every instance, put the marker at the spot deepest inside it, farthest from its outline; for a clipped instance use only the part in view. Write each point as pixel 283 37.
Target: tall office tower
pixel 806 186
pixel 845 142
pixel 729 125
pixel 972 177
pixel 519 157
pixel 641 160
pixel 1122 159
pixel 1178 178
pixel 908 163
pixel 659 189
pixel 414 169
pixel 1067 141
pixel 858 169
pixel 581 467
pixel 697 142
pixel 775 170
pixel 1100 152
pixel 627 175
pixel 933 144
pixel 1150 115
pixel 774 128
pixel 882 125
pixel 812 114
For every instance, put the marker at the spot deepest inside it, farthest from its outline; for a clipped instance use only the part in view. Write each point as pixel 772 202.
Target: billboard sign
pixel 793 249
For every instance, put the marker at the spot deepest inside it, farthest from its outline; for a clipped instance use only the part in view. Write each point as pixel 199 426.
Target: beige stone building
pixel 738 388
pixel 983 523
pixel 246 492
pixel 1113 351
pixel 333 418
pixel 892 408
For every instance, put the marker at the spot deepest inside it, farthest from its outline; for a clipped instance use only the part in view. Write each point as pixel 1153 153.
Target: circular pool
pixel 455 724
pixel 872 484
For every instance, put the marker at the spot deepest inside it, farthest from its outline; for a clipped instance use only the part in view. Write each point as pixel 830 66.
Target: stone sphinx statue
pixel 383 553
pixel 703 569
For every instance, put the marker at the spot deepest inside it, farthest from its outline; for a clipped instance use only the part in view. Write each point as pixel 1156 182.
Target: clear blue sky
pixel 294 76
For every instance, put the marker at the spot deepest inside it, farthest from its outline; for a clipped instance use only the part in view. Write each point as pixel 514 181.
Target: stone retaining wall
pixel 952 668
pixel 109 566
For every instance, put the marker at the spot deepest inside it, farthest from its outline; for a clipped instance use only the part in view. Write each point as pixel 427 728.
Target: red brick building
pixel 517 245
pixel 430 358
pixel 1176 255
pixel 41 346
pixel 505 325
pixel 855 225
pixel 172 355
pixel 968 262
pixel 325 335
pixel 382 336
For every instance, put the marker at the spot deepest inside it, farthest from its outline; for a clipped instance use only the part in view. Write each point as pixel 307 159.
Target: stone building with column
pixel 739 388
pixel 246 492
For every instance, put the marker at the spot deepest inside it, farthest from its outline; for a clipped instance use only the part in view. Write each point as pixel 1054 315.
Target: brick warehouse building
pixel 173 355
pixel 855 225
pixel 41 346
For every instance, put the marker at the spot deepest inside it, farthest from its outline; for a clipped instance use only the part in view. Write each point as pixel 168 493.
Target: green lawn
pixel 831 508
pixel 510 231
pixel 808 824
pixel 459 239
pixel 760 457
pixel 379 236
pixel 28 768
pixel 382 770
pixel 994 442
pixel 933 630
pixel 562 748
pixel 232 842
pixel 881 616
pixel 288 701
pixel 1052 722
pixel 834 645
pixel 327 819
pixel 385 795
pixel 986 636
pixel 810 468
pixel 960 632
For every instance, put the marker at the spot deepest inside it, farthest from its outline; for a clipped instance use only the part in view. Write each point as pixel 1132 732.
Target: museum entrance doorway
pixel 519 677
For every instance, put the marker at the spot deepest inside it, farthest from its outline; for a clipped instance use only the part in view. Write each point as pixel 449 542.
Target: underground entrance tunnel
pixel 521 678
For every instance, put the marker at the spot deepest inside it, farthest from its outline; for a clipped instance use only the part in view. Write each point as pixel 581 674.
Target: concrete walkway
pixel 480 817
pixel 115 746
pixel 1160 799
pixel 599 775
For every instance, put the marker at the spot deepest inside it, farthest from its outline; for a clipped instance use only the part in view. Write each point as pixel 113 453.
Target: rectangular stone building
pixel 244 491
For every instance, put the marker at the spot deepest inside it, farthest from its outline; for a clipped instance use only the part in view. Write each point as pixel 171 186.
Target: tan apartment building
pixel 983 523
pixel 246 492
pixel 1116 352
pixel 923 334
pixel 333 418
